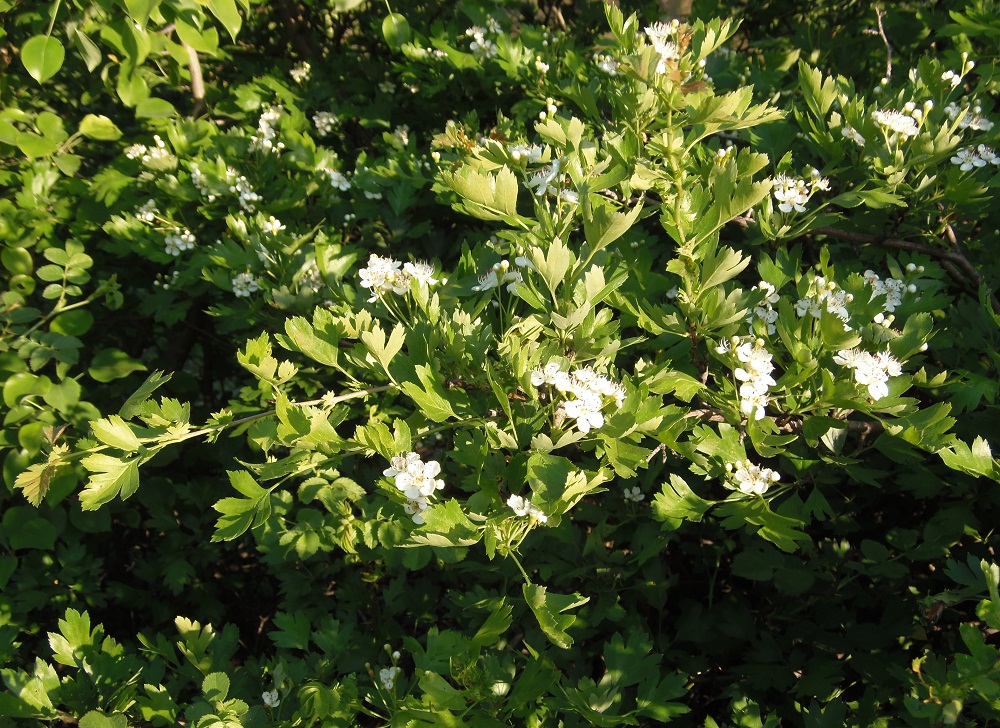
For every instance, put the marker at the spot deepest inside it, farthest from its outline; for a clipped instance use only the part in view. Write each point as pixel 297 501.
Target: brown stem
pixel 197 80
pixel 787 423
pixel 954 256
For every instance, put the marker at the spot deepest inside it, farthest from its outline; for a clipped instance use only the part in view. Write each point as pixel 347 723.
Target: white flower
pixel 753 479
pixel 586 411
pixel 792 193
pixel 244 284
pixel 400 463
pixel 387 676
pixel 324 121
pixel 519 505
pixel 380 275
pixel 420 271
pixel 270 698
pixel 546 374
pixel 272 226
pixel 301 72
pixel 522 507
pixel 897 122
pixel 419 479
pixel 633 494
pixel 402 134
pixel 147 211
pixel 853 134
pixel 607 64
pixel 871 370
pixel 337 179
pixel 969 118
pixel 179 241
pixel 532 154
pixel 415 507
pixel 264 138
pixel 488 281
pixel 541 181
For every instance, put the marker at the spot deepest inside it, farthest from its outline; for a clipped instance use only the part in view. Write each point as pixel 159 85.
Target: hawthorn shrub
pixel 499 364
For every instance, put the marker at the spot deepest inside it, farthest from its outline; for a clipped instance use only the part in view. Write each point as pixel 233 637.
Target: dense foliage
pixel 499 363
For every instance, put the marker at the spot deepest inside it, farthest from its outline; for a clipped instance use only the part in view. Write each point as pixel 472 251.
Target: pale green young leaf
pixel 109 478
pixel 114 431
pixel 42 57
pixel 228 14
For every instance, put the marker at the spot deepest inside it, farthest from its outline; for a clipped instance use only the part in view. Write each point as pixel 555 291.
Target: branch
pixel 197 81
pixel 788 423
pixel 879 14
pixel 955 257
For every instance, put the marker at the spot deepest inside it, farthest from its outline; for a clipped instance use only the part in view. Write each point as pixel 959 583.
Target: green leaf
pixel 114 431
pixel 110 476
pixel 25 529
pixel 549 611
pixel 495 625
pixel 111 364
pixel 396 31
pixel 601 228
pixel 228 14
pixel 446 525
pixel 153 108
pixel 133 404
pixel 88 49
pixel 34 146
pixel 215 687
pixel 43 57
pixel 93 126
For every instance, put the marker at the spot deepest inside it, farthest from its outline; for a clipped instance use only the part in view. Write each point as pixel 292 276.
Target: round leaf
pixel 43 57
pixel 109 364
pixel 102 128
pixel 396 30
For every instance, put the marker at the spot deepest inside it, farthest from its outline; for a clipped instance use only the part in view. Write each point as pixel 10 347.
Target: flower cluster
pixel 179 241
pixel 849 132
pixel 792 193
pixel 504 274
pixel 870 370
pixel 311 277
pixel 590 391
pixel 968 117
pixel 607 64
pixel 481 46
pixel 903 124
pixel 147 211
pixel 386 274
pixel 824 294
pixel 387 676
pixel 764 311
pixel 975 157
pixel 416 480
pixel 663 36
pixel 272 226
pixel 892 288
pixel 522 507
pixel 337 179
pixel 751 479
pixel 264 138
pixel 301 72
pixel 532 154
pixel 754 371
pixel 149 156
pixel 325 121
pixel 244 284
pixel 234 183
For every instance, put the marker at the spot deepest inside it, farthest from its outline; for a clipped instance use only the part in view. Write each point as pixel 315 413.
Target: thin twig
pixel 879 13
pixel 955 256
pixel 197 81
